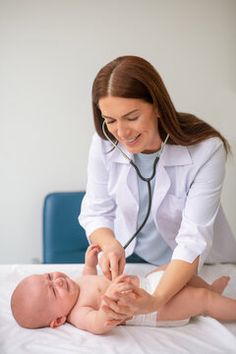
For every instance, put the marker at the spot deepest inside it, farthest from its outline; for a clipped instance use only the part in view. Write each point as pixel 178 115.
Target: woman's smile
pixel 131 141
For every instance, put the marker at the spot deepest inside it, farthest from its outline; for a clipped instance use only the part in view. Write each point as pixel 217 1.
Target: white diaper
pixel 149 284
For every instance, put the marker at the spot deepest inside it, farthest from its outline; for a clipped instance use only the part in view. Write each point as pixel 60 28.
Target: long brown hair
pixel 134 77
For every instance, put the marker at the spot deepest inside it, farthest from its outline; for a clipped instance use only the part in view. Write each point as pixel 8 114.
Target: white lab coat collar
pixel 116 156
pixel 172 155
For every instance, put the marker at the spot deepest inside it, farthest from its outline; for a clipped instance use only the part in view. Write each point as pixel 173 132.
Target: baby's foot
pixel 220 284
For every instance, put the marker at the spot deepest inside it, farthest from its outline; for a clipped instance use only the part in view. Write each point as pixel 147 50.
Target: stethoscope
pixel 145 179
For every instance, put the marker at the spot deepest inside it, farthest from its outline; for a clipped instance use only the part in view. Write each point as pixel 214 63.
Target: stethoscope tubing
pixel 146 216
pixel 145 179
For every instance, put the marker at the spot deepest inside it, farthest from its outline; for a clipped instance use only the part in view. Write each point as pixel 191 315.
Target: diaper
pixel 149 284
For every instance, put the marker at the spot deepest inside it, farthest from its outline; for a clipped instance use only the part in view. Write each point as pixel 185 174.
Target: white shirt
pixel 186 199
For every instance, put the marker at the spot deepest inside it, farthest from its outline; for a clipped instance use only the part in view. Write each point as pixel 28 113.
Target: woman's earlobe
pixel 58 322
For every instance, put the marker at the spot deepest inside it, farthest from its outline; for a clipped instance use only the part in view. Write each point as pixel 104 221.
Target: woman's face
pixel 133 122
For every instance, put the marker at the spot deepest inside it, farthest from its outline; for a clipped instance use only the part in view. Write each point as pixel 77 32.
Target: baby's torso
pixel 92 287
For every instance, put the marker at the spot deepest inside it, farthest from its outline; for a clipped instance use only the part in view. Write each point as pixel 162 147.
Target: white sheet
pixel 201 335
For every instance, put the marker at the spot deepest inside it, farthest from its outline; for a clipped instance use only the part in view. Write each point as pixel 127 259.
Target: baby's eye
pixel 51 285
pixel 54 291
pixel 131 119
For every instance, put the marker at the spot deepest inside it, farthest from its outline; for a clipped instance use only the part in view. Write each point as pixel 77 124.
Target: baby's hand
pixel 91 256
pixel 113 305
pixel 117 288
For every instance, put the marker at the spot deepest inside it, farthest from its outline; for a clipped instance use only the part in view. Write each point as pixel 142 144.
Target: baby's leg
pixel 192 301
pixel 217 286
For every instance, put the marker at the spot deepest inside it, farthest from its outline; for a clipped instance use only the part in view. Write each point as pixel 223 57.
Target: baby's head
pixel 44 300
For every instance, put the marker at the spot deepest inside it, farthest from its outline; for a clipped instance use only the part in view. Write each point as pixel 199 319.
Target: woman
pixel 186 225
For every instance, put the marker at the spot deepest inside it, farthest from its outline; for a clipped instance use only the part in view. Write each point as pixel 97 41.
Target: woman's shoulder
pixel 195 154
pixel 96 139
pixel 207 147
pixel 99 144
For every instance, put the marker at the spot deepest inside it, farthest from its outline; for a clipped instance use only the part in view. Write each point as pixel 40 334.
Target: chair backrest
pixel 64 240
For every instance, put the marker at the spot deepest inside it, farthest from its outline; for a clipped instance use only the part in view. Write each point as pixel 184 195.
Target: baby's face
pixel 56 291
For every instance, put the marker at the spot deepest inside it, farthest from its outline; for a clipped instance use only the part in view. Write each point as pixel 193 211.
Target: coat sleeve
pixel 98 208
pixel 196 232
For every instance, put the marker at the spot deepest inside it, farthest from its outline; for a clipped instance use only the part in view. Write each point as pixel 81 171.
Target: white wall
pixel 50 51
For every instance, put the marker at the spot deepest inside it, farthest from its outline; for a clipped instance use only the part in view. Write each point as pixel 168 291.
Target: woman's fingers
pixel 114 322
pixel 112 315
pixel 112 261
pixel 105 266
pixel 122 265
pixel 117 264
pixel 118 288
pixel 114 266
pixel 109 265
pixel 119 279
pixel 115 307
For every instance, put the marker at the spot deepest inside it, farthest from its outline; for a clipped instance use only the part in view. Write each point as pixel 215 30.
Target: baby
pixel 91 303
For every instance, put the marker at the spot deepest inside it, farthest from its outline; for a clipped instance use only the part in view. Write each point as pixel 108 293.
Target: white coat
pixel 186 199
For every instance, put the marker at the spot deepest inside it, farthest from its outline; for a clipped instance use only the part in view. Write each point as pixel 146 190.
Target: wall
pixel 50 53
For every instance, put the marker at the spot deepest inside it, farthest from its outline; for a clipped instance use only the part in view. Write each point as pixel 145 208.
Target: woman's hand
pixel 132 302
pixel 140 302
pixel 112 260
pixel 112 257
pixel 110 301
pixel 118 288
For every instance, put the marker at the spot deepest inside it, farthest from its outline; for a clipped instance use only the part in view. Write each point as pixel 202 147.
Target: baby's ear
pixel 58 322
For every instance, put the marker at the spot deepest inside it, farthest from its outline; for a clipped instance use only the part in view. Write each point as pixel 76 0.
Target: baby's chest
pixel 90 297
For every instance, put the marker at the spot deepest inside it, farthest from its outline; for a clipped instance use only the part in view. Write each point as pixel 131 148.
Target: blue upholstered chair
pixel 64 240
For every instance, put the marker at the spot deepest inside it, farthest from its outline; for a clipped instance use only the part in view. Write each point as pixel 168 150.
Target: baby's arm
pixel 91 260
pixel 94 321
pixel 101 321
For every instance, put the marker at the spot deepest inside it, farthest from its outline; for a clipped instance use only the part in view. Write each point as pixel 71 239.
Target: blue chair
pixel 64 240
